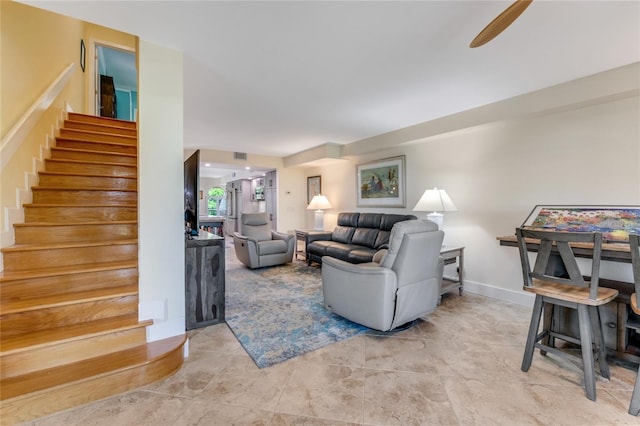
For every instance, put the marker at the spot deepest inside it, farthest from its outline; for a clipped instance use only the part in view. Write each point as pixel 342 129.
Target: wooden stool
pixel 570 291
pixel 634 243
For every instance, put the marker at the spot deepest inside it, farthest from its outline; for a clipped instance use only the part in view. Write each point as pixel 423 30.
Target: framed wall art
pixel 614 222
pixel 83 54
pixel 314 187
pixel 381 183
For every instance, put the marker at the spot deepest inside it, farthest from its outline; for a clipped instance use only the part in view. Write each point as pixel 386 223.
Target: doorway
pixel 116 83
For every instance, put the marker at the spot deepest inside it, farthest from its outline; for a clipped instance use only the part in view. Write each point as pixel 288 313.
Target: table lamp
pixel 435 201
pixel 318 203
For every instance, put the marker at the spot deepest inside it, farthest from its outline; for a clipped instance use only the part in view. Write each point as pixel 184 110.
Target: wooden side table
pixel 453 255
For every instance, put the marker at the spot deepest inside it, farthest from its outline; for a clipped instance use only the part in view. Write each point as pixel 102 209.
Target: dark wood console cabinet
pixel 204 280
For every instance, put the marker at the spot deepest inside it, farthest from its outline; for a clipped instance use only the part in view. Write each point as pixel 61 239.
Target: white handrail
pixel 14 137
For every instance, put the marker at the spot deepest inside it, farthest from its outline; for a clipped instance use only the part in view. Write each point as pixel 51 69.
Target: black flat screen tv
pixel 191 179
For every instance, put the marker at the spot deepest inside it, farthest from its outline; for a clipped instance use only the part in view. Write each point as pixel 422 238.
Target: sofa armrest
pixel 312 236
pixel 379 255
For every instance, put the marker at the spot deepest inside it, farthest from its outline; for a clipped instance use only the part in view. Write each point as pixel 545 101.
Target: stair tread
pixel 104 142
pixel 72 121
pixel 6 276
pixel 89 368
pixel 48 246
pixel 43 224
pixel 46 337
pixel 77 205
pixel 65 160
pixel 45 301
pixel 102 119
pixel 99 175
pixel 72 188
pixel 92 132
pixel 94 151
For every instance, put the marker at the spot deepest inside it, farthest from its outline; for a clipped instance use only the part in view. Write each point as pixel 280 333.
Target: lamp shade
pixel 435 200
pixel 319 202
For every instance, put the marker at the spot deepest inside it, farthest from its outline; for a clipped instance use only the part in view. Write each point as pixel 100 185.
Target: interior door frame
pixel 93 92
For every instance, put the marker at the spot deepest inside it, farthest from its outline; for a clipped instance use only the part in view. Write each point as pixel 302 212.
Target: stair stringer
pixel 15 214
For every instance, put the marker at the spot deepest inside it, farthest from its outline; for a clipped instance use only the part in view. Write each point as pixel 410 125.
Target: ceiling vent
pixel 239 155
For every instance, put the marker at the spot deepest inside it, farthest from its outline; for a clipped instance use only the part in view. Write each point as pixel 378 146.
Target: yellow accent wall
pixel 100 33
pixel 36 46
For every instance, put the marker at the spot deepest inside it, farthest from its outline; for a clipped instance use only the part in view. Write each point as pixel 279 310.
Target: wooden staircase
pixel 69 330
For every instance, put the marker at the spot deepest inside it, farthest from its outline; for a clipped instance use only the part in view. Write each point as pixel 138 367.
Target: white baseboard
pixel 517 297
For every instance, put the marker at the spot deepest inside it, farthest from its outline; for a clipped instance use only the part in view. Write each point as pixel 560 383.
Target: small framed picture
pixel 314 187
pixel 83 54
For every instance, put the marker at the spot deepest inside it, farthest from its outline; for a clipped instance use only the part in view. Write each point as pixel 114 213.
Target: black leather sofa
pixel 356 238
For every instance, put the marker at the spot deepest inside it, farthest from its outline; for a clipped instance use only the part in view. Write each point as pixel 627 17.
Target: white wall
pixel 292 199
pixel 161 227
pixel 497 173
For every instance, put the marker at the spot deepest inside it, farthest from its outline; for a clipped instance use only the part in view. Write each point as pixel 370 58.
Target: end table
pixel 453 255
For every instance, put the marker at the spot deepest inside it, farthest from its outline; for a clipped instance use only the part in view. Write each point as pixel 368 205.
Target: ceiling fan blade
pixel 500 23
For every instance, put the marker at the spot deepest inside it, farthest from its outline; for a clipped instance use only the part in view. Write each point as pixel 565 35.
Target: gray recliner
pixel 405 285
pixel 258 246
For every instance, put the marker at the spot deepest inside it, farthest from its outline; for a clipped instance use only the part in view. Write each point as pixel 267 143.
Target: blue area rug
pixel 277 313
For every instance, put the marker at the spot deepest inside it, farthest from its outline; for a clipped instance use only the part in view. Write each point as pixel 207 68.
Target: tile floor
pixel 458 366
